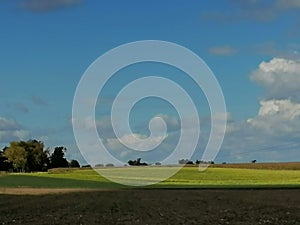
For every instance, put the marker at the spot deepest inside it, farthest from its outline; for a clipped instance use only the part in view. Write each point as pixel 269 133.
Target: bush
pixel 109 165
pixel 74 164
pixel 86 166
pixel 99 165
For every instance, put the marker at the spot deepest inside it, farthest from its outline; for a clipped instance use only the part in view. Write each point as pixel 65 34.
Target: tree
pixel 37 158
pixel 16 155
pixel 74 164
pixel 4 164
pixel 136 162
pixel 57 158
pixel 183 161
pixel 27 156
pixel 190 162
pixel 204 162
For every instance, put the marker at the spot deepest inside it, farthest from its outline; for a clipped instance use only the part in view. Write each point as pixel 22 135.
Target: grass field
pixel 187 177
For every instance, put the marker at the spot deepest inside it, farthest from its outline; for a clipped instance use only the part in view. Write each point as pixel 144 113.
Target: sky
pixel 252 47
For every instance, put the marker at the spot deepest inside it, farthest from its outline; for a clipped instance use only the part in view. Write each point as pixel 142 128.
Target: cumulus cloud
pixel 11 130
pixel 47 5
pixel 280 77
pixel 225 50
pixel 284 108
pixel 105 129
pixel 172 123
pixel 273 133
pixel 277 117
pixel 151 148
pixel 106 132
pixel 135 140
pixel 279 112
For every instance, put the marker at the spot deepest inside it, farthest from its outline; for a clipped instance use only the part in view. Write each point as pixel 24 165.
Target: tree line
pixel 31 156
pixel 197 162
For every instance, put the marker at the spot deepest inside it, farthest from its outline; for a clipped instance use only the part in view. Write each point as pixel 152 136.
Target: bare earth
pixel 207 207
pixel 39 191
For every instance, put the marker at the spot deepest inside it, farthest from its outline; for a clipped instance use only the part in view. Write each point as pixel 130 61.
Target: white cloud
pixel 160 142
pixel 280 77
pixel 137 140
pixel 10 130
pixel 277 117
pixel 282 108
pixel 103 125
pixel 43 138
pixel 171 122
pixel 280 65
pixel 8 124
pixel 21 134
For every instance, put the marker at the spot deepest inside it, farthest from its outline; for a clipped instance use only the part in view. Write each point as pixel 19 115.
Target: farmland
pixel 134 207
pixel 232 195
pixel 233 176
pixel 267 166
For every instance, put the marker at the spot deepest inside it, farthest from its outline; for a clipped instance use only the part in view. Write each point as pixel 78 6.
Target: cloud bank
pixel 11 130
pixel 273 134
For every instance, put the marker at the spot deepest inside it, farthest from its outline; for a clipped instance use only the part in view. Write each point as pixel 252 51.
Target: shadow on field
pixel 49 182
pixel 154 207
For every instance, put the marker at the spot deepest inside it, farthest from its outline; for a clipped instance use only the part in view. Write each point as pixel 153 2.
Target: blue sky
pixel 252 47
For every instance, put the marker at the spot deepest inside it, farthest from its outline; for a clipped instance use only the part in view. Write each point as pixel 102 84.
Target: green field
pixel 187 177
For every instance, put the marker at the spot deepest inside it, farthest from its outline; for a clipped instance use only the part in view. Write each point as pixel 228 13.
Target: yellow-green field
pixel 187 177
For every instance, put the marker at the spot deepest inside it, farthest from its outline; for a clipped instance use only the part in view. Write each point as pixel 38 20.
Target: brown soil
pixel 39 191
pixel 265 166
pixel 207 207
